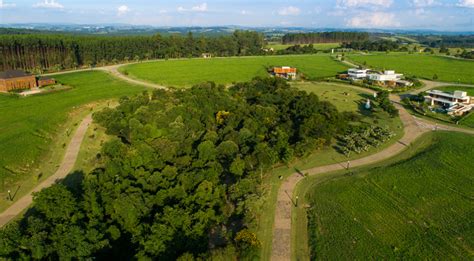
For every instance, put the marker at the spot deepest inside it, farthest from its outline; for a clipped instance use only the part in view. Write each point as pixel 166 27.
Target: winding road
pixel 65 168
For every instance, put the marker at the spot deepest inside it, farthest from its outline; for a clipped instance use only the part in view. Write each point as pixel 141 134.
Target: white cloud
pixel 364 3
pixel 423 3
pixel 122 10
pixel 52 4
pixel 290 10
pixel 466 3
pixel 374 20
pixel 6 5
pixel 198 8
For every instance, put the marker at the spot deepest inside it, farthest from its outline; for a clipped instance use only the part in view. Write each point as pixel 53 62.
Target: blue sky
pixel 404 14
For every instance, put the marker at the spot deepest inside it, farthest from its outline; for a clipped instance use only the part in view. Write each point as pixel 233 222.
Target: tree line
pixel 380 45
pixel 38 52
pixel 180 179
pixel 324 37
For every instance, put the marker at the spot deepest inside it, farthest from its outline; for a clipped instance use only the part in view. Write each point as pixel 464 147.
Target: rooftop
pixel 13 74
pixel 456 94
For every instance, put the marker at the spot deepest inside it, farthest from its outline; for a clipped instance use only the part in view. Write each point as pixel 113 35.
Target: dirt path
pixel 65 168
pixel 113 70
pixel 414 128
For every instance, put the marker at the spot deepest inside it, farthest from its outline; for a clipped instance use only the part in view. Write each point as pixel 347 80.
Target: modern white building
pixel 456 103
pixel 386 76
pixel 355 73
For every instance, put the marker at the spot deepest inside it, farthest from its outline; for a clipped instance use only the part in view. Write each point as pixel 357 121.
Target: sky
pixel 449 15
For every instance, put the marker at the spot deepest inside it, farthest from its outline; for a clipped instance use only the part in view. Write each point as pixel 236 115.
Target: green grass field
pixel 421 65
pixel 468 120
pixel 318 158
pixel 419 207
pixel 319 46
pixel 185 73
pixel 469 90
pixel 34 129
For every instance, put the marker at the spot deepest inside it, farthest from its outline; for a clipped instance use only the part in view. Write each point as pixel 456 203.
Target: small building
pixel 355 73
pixel 16 80
pixel 285 72
pixel 456 103
pixel 206 55
pixel 45 81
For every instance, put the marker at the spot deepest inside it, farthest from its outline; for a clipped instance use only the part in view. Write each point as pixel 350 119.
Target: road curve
pixel 281 244
pixel 65 168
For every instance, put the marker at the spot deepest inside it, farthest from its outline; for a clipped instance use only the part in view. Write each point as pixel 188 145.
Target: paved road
pixel 65 168
pixel 414 128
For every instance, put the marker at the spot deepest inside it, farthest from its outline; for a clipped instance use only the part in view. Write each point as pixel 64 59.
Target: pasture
pixel 35 130
pixel 423 66
pixel 186 73
pixel 418 205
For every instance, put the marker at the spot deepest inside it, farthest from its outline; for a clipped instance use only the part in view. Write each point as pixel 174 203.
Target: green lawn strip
pixel 417 204
pixel 468 121
pixel 421 65
pixel 318 46
pixel 318 158
pixel 188 72
pixel 35 130
pixel 469 90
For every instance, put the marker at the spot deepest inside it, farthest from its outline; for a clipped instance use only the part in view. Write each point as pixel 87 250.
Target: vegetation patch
pixel 420 207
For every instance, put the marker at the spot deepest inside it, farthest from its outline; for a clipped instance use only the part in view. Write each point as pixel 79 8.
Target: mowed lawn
pixel 29 126
pixel 318 46
pixel 469 90
pixel 185 73
pixel 417 208
pixel 421 65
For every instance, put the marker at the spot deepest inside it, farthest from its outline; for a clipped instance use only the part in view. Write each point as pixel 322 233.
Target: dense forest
pixel 380 45
pixel 180 179
pixel 457 41
pixel 38 52
pixel 324 37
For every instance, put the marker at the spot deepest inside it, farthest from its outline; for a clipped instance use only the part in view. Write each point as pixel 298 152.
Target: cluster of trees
pixel 298 49
pixel 36 52
pixel 383 99
pixel 361 139
pixel 380 45
pixel 466 54
pixel 453 41
pixel 325 37
pixel 181 178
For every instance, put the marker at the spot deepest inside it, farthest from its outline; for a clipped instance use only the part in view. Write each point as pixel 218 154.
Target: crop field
pixel 185 73
pixel 421 65
pixel 419 207
pixel 30 126
pixel 318 46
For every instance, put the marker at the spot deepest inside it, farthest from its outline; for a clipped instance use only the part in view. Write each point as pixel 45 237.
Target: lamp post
pixel 9 195
pixel 296 202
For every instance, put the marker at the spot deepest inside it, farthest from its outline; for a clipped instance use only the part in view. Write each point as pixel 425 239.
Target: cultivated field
pixel 421 65
pixel 31 127
pixel 185 73
pixel 419 207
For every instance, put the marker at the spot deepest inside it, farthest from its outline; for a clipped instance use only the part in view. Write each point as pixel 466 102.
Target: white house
pixel 355 73
pixel 457 103
pixel 386 76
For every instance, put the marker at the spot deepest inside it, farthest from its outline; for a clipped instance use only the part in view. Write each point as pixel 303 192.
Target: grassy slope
pixel 32 127
pixel 417 208
pixel 318 158
pixel 185 73
pixel 421 65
